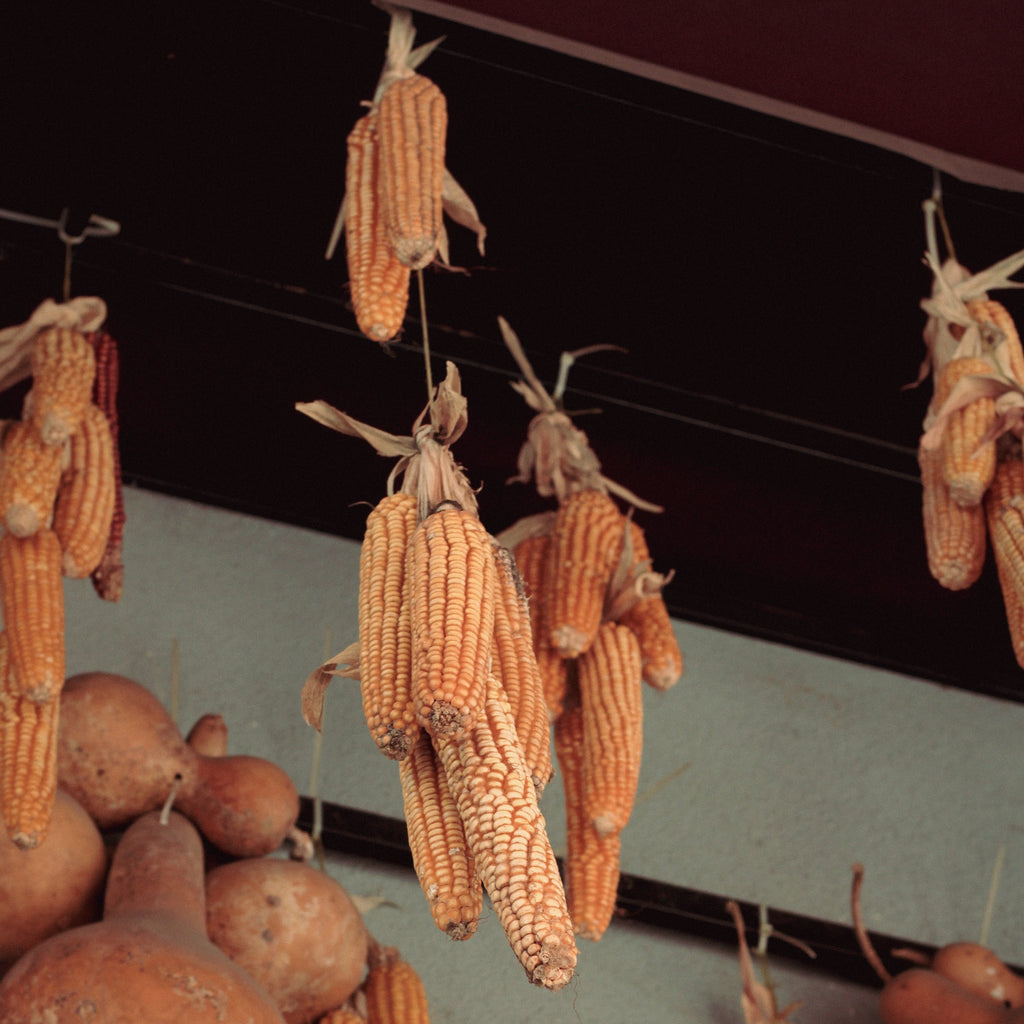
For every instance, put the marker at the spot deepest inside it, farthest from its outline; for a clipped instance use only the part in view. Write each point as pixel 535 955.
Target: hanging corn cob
pixel 601 628
pixel 397 187
pixel 108 576
pixel 385 632
pixel 393 990
pixel 969 450
pixel 591 861
pixel 29 478
pixel 508 838
pixel 442 859
pixel 468 631
pixel 63 369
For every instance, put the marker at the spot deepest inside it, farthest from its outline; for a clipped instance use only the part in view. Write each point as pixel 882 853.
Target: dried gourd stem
pixel 165 811
pixel 993 889
pixel 860 931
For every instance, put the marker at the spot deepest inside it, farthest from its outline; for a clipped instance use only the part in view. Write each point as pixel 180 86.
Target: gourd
pixel 149 958
pixel 119 753
pixel 56 886
pixel 293 928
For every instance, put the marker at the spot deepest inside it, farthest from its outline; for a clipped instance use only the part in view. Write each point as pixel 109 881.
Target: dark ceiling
pixel 763 275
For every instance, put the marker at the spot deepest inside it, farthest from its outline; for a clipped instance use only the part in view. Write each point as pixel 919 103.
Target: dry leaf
pixel 314 689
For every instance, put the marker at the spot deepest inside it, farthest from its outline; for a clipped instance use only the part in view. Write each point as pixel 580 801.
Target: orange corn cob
pixel 385 631
pixel 28 759
pixel 63 367
pixel 955 540
pixel 379 283
pixel 591 861
pixel 989 311
pixel 32 596
pixel 1004 509
pixel 612 700
pixel 507 834
pixel 437 839
pixel 968 464
pixel 84 509
pixel 531 558
pixel 108 576
pixel 516 667
pixel 394 990
pixel 29 479
pixel 586 541
pixel 451 588
pixel 652 625
pixel 412 123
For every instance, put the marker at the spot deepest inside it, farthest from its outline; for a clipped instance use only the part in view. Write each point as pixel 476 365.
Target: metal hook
pixel 97 227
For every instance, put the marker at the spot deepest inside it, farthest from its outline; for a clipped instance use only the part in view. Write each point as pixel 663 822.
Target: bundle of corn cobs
pixel 61 514
pixel 600 630
pixel 972 473
pixel 451 691
pixel 397 187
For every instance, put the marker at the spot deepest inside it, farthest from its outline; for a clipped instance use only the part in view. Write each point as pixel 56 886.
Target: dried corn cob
pixel 586 541
pixel 955 540
pixel 385 637
pixel 515 664
pixel 29 479
pixel 652 625
pixel 1004 510
pixel 451 594
pixel 437 839
pixel 63 367
pixel 32 596
pixel 393 989
pixel 379 282
pixel 108 576
pixel 507 834
pixel 531 558
pixel 28 759
pixel 991 312
pixel 591 861
pixel 84 509
pixel 968 461
pixel 412 120
pixel 612 701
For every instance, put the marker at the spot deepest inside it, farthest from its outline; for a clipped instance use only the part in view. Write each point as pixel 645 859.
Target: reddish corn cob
pixel 612 701
pixel 989 311
pixel 451 593
pixel 28 759
pixel 379 282
pixel 651 624
pixel 29 478
pixel 84 509
pixel 531 558
pixel 968 463
pixel 591 861
pixel 394 991
pixel 955 540
pixel 437 839
pixel 32 596
pixel 507 834
pixel 63 367
pixel 586 541
pixel 516 667
pixel 108 576
pixel 385 630
pixel 412 121
pixel 1004 509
